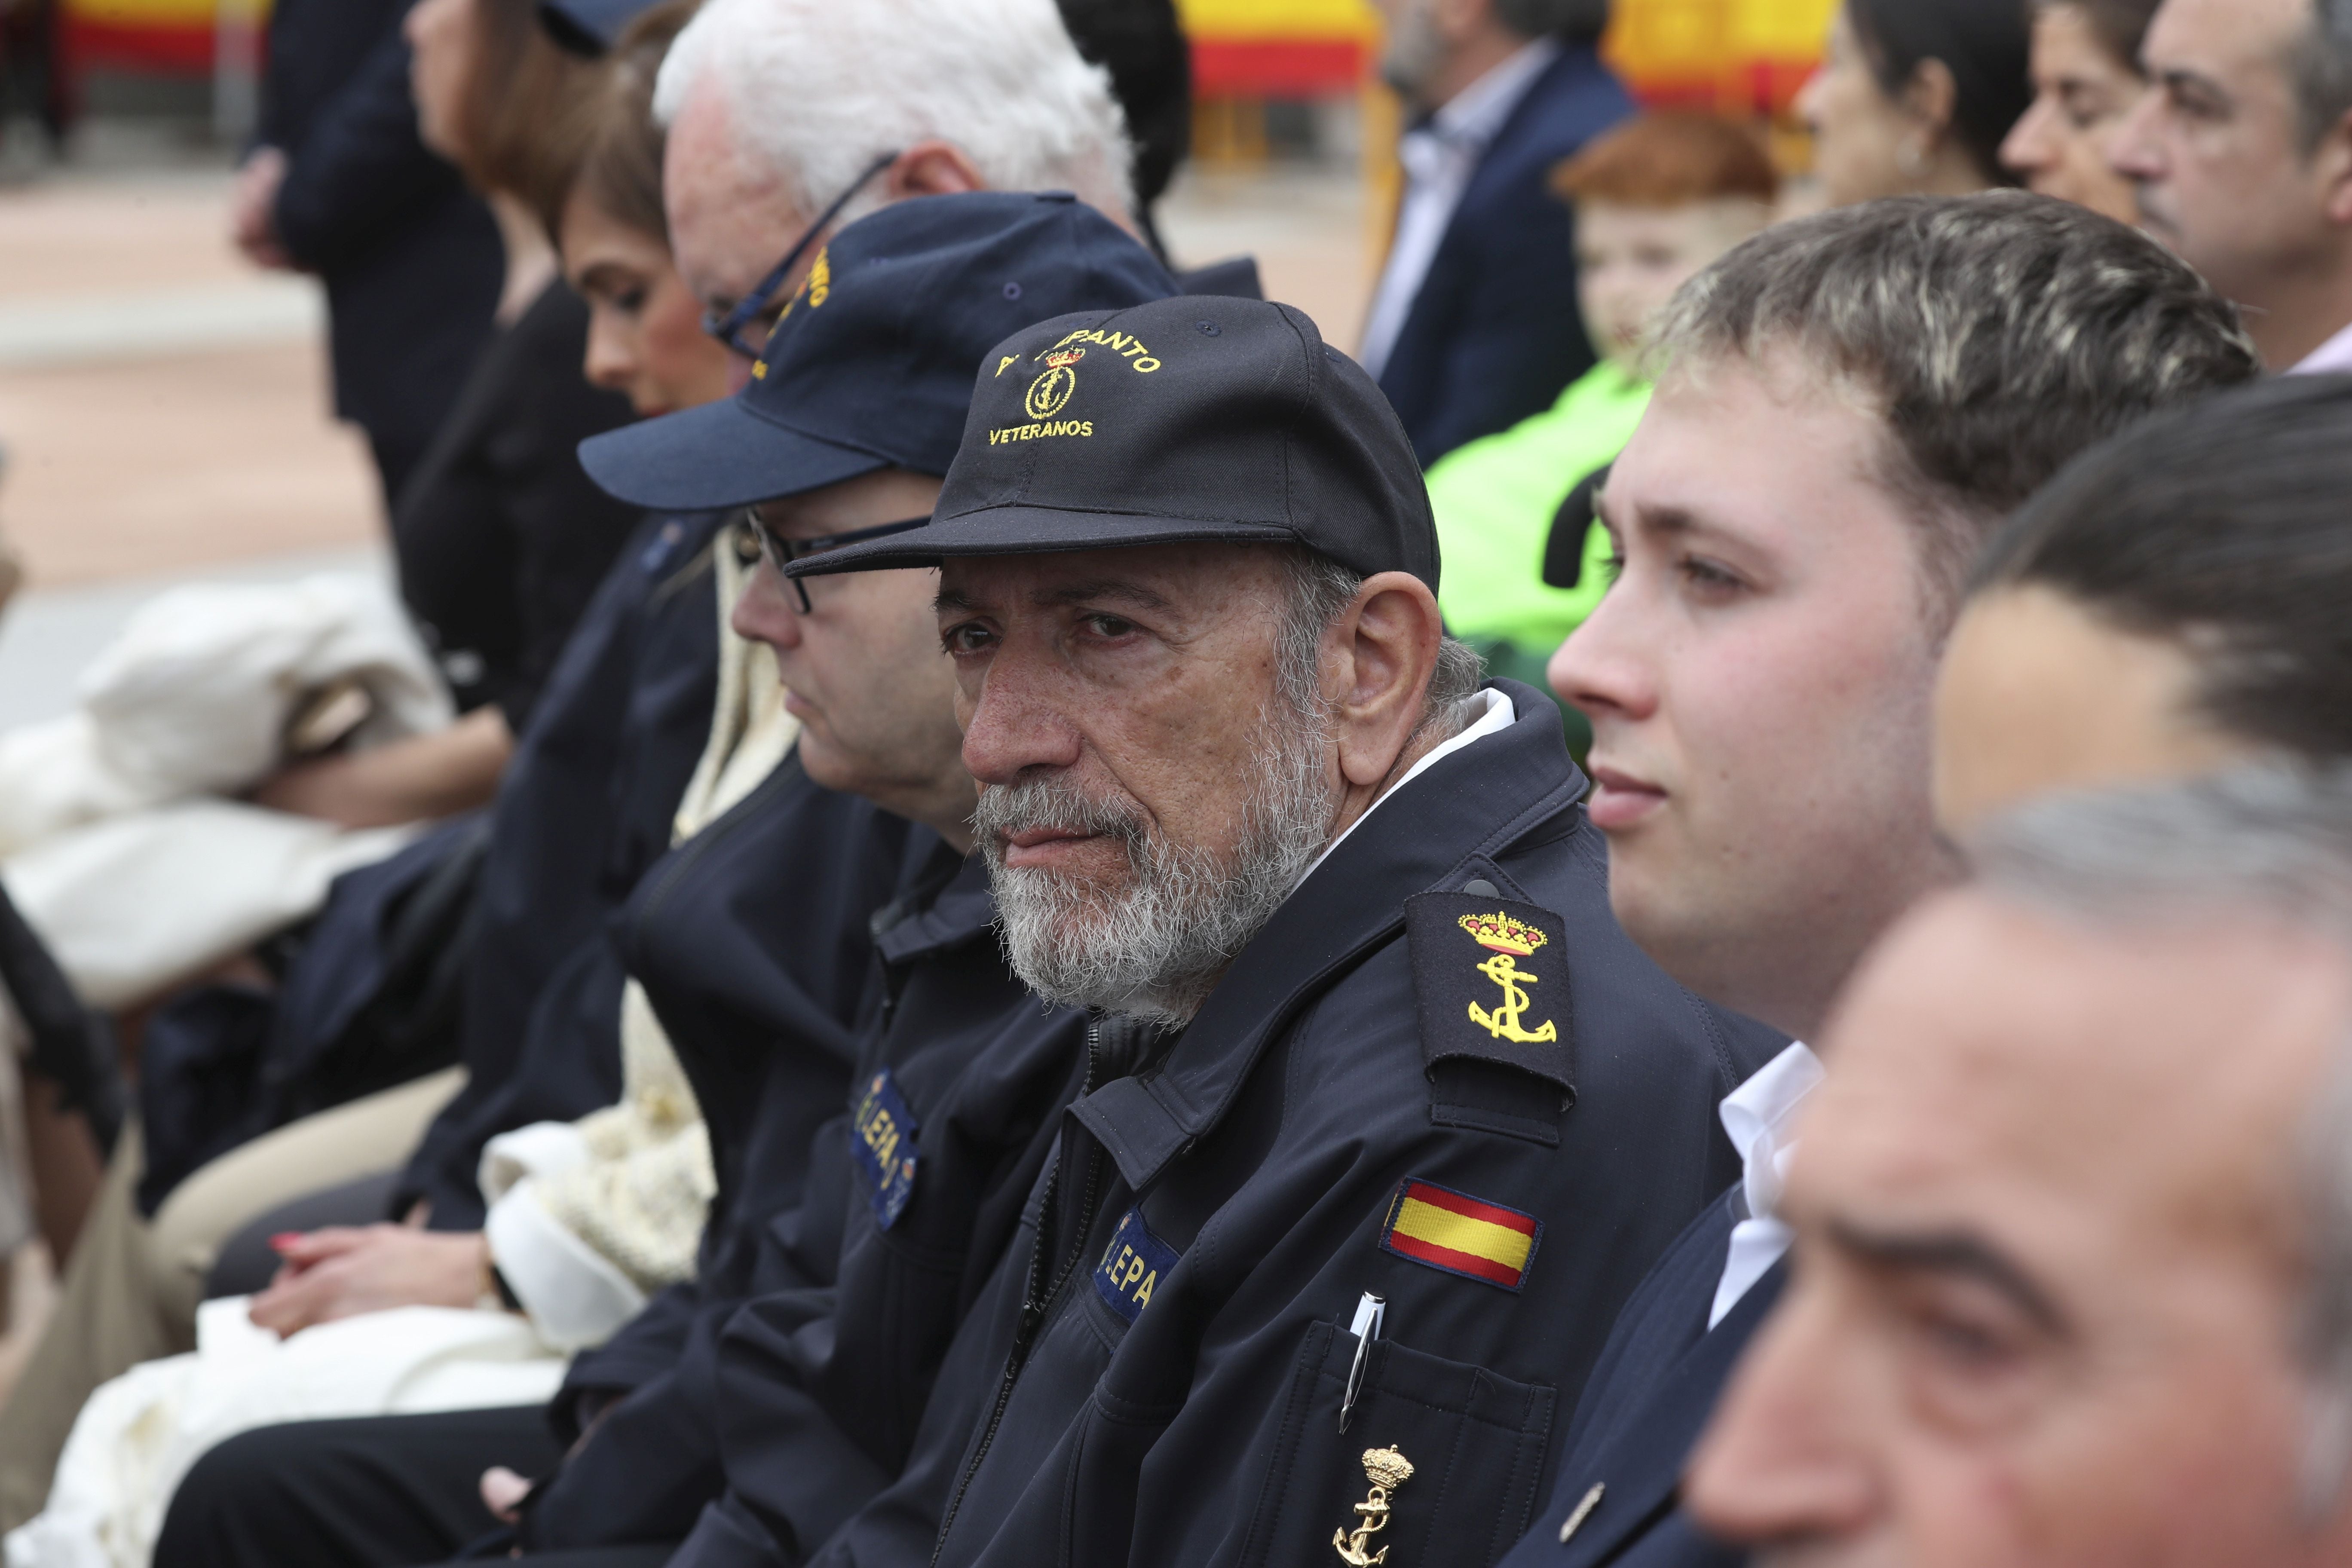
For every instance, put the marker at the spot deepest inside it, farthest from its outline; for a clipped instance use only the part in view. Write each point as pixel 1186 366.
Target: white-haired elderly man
pixel 2073 1215
pixel 1383 1115
pixel 790 118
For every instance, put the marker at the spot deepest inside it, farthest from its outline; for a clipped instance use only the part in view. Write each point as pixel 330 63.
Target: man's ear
pixel 933 169
pixel 2331 162
pixel 1379 657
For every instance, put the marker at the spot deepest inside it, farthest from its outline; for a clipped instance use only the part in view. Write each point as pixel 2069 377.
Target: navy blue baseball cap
pixel 871 366
pixel 1178 420
pixel 590 26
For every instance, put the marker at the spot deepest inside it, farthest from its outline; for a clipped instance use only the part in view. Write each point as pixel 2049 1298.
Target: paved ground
pixel 163 405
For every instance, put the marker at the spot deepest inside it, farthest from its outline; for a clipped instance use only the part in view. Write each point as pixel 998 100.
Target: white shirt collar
pixel 1498 717
pixel 2333 357
pixel 1759 1118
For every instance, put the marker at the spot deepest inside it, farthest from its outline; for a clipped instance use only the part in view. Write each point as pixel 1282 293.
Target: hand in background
pixel 252 208
pixel 502 1493
pixel 344 1270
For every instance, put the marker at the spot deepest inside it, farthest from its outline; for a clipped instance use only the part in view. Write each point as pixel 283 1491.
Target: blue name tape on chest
pixel 1132 1267
pixel 882 1140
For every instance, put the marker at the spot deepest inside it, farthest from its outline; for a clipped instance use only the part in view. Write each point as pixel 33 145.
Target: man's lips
pixel 1044 846
pixel 1619 800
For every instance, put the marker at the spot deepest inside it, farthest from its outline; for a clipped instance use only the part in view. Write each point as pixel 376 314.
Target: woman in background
pixel 500 537
pixel 1915 97
pixel 2085 77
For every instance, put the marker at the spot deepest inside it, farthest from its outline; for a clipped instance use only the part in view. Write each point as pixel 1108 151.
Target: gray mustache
pixel 1052 802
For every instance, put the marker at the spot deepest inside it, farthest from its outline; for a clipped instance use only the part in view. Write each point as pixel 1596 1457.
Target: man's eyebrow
pixel 1954 1253
pixel 951 602
pixel 1115 589
pixel 2179 77
pixel 1671 521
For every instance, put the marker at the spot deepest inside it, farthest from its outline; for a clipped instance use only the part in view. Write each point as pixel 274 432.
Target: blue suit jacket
pixel 1495 333
pixel 1649 1396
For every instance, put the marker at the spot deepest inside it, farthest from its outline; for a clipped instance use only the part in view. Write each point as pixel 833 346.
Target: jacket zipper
pixel 1034 1305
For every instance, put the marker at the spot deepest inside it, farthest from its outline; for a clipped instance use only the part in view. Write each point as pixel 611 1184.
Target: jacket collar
pixel 947 905
pixel 1469 808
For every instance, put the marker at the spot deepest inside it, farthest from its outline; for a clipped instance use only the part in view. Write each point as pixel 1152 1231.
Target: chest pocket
pixel 1441 1461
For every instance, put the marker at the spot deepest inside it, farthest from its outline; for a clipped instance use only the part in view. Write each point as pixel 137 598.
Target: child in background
pixel 1657 200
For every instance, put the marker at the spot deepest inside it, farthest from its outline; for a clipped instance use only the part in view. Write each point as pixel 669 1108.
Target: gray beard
pixel 1155 949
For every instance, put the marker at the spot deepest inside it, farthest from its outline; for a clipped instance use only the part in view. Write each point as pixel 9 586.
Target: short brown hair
pixel 1998 335
pixel 528 109
pixel 621 169
pixel 1669 159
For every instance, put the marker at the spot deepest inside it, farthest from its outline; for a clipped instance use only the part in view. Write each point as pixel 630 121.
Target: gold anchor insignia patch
pixel 1387 1470
pixel 1491 977
pixel 1510 941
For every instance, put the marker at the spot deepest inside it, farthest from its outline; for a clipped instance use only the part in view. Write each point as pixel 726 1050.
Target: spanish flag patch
pixel 1461 1235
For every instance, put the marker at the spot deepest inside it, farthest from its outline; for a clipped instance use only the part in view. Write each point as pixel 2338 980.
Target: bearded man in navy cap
pixel 856 1230
pixel 1383 1118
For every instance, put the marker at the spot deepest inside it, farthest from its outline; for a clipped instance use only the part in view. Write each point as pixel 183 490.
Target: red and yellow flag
pixel 1461 1235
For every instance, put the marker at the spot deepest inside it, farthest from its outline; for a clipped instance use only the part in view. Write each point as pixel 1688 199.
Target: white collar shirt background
pixel 2333 357
pixel 1439 156
pixel 1497 716
pixel 1759 1116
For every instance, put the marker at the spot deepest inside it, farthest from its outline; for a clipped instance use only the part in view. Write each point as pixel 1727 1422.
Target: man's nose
pixel 1019 719
pixel 1776 1465
pixel 2131 148
pixel 1597 670
pixel 767 610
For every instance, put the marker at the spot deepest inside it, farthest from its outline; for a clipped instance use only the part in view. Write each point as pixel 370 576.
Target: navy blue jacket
pixel 753 942
pixel 1495 332
pixel 585 808
pixel 1169 1346
pixel 957 1104
pixel 411 260
pixel 1642 1414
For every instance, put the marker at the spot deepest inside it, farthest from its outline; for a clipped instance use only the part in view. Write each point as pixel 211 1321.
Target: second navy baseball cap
pixel 1178 420
pixel 871 366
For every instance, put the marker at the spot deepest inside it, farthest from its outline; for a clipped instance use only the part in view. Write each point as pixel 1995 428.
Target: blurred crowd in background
pixel 468 1021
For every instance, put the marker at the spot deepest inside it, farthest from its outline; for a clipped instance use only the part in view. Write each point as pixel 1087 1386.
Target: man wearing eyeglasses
pixel 787 117
pixel 864 1245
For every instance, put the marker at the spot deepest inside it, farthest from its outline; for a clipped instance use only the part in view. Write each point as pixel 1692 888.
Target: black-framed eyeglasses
pixel 781 553
pixel 730 329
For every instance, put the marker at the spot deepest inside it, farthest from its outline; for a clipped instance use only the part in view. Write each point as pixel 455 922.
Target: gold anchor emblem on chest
pixel 1510 939
pixel 1387 1469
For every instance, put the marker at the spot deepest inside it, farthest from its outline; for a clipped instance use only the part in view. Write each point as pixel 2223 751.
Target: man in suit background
pixel 1760 681
pixel 338 185
pixel 1474 324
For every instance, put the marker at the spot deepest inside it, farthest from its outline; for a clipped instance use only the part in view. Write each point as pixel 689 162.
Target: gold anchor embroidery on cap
pixel 1051 391
pixel 1387 1469
pixel 1510 939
